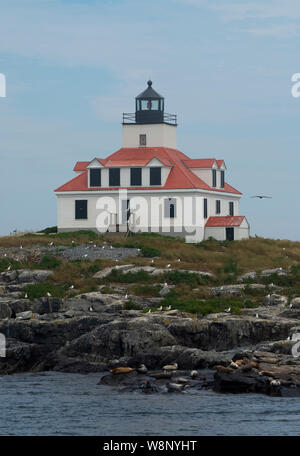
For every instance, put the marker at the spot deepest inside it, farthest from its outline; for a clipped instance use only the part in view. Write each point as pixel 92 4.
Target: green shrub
pixel 145 290
pixel 119 276
pixel 204 307
pixel 129 305
pixel 50 262
pixel 49 230
pixel 6 262
pixel 37 290
pixel 191 278
pixel 150 252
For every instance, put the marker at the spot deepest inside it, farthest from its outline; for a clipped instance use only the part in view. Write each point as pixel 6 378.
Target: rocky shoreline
pixel 93 332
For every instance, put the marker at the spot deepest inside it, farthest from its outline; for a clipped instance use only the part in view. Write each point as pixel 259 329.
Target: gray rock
pixel 106 271
pixel 275 299
pixel 5 310
pixel 164 291
pixel 295 302
pixel 148 269
pixel 278 271
pixel 25 315
pixel 249 275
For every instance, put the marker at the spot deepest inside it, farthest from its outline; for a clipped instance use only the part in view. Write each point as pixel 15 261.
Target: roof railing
pixel 129 118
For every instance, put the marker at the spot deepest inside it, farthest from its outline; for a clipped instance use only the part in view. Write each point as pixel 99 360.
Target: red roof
pixel 80 166
pixel 180 176
pixel 225 221
pixel 199 162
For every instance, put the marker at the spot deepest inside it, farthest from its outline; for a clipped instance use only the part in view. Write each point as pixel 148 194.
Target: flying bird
pixel 260 196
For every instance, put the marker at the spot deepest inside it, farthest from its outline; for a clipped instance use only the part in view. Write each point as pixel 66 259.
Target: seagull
pixel 179 259
pixel 149 311
pixel 103 247
pixel 291 305
pixel 84 256
pixel 73 242
pixel 160 308
pixel 138 250
pixel 71 287
pixel 152 261
pixel 26 295
pixel 49 294
pixel 95 246
pixel 91 309
pixel 5 254
pixel 21 247
pixel 126 296
pixel 111 247
pixel 261 196
pixel 169 307
pixel 168 265
pixel 165 284
pixel 256 316
pixel 9 267
pixel 50 243
pixel 227 310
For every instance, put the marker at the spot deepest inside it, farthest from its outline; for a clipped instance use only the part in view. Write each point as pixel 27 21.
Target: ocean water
pixel 52 403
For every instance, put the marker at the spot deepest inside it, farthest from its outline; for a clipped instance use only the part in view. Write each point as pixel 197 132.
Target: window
pixel 80 209
pixel 205 208
pixel 170 207
pixel 231 209
pixel 222 179
pixel 218 207
pixel 114 177
pixel 214 178
pixel 95 177
pixel 155 176
pixel 143 140
pixel 136 176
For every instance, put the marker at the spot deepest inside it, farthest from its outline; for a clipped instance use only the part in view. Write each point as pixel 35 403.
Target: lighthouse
pixel 148 185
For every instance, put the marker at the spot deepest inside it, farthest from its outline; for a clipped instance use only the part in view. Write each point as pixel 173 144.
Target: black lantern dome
pixel 149 109
pixel 149 106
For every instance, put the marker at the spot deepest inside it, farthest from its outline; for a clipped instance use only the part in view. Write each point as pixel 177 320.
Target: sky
pixel 72 68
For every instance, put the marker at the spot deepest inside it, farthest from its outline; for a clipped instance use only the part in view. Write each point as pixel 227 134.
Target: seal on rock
pixel 121 370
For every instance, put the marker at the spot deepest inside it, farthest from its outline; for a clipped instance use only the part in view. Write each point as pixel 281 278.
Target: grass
pixel 145 291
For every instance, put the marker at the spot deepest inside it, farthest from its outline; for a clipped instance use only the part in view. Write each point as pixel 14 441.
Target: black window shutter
pixel 214 178
pixel 231 210
pixel 95 177
pixel 114 177
pixel 136 176
pixel 80 209
pixel 155 176
pixel 205 208
pixel 218 206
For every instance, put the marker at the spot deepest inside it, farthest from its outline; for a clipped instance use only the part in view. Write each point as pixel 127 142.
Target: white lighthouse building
pixel 148 185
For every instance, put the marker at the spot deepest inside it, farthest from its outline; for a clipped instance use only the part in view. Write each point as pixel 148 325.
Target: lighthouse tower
pixel 149 126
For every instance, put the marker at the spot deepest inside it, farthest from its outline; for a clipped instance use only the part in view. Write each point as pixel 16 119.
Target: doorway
pixel 229 234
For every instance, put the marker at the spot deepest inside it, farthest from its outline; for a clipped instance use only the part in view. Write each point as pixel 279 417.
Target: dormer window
pixel 95 177
pixel 155 175
pixel 222 179
pixel 135 176
pixel 114 177
pixel 143 140
pixel 214 178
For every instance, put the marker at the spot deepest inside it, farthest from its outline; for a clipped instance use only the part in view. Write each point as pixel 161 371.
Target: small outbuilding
pixel 228 228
